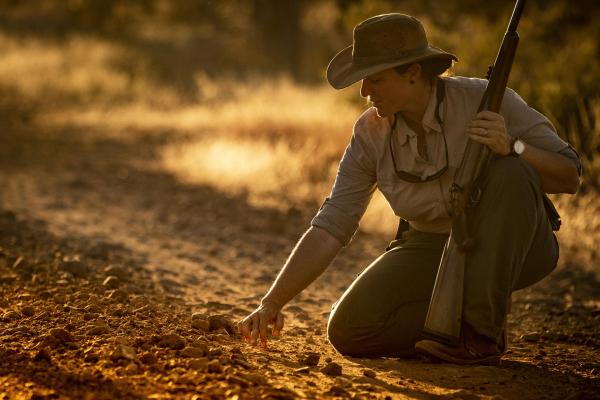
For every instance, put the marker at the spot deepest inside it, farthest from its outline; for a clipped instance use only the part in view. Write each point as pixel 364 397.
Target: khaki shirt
pixel 367 162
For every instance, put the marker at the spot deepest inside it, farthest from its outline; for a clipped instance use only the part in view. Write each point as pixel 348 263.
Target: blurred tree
pixel 279 32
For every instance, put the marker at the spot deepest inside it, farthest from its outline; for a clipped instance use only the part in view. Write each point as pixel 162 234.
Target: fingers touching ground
pixel 255 326
pixel 278 326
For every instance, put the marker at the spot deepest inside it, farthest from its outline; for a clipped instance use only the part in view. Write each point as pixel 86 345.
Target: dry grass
pixel 276 141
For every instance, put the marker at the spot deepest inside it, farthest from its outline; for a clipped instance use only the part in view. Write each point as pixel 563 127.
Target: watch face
pixel 519 147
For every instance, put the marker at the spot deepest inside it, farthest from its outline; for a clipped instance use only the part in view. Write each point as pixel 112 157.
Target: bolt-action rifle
pixel 444 316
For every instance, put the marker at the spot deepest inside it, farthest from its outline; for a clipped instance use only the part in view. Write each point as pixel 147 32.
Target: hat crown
pixel 388 36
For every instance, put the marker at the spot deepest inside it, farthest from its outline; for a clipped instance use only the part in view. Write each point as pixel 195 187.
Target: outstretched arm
pixel 311 256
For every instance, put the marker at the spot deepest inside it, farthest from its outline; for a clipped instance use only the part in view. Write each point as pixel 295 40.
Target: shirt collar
pixel 430 122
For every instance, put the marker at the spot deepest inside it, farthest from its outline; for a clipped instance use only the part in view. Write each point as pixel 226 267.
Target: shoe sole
pixel 429 349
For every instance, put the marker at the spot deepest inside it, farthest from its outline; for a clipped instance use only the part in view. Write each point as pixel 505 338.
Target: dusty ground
pixel 80 205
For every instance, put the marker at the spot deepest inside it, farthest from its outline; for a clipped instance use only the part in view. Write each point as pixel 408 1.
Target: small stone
pixel 148 358
pixel 131 369
pixel 118 271
pixel 74 267
pixel 214 366
pixel 22 267
pixel 310 359
pixel 254 378
pixel 124 352
pixel 531 337
pixel 201 324
pixel 217 322
pixel 328 360
pixel 172 341
pixel 111 282
pixel 369 373
pixel 236 380
pixel 199 315
pixel 332 369
pixel 10 316
pixel 100 329
pixel 195 352
pixel 61 335
pixel 91 357
pixel 118 295
pixel 338 391
pixel 92 308
pixel 42 355
pixel 3 302
pixel 198 364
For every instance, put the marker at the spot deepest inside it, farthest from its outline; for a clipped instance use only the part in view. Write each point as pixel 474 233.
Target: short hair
pixel 430 69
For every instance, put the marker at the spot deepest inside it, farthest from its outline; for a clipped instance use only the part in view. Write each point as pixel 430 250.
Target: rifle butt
pixel 444 316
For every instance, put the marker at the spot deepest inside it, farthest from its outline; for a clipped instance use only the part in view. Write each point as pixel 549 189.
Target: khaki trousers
pixel 383 311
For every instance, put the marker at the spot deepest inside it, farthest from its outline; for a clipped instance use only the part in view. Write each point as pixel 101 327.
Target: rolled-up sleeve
pixel 534 128
pixel 354 185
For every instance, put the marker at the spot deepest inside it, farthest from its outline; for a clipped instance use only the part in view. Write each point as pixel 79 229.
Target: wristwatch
pixel 517 147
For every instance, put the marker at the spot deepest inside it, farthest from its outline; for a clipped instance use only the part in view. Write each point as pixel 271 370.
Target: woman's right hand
pixel 255 325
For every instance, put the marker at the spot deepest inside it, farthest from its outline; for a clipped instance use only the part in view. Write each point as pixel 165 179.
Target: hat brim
pixel 342 72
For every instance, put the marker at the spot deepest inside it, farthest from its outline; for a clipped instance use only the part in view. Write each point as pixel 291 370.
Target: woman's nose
pixel 364 88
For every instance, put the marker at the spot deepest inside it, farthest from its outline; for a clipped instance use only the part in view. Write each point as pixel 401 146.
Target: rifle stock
pixel 444 316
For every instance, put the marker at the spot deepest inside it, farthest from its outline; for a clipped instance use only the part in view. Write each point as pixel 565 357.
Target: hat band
pixel 390 56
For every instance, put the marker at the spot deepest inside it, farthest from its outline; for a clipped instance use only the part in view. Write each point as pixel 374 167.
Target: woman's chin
pixel 381 112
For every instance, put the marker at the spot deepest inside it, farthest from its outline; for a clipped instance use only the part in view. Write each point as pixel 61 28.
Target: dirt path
pixel 118 281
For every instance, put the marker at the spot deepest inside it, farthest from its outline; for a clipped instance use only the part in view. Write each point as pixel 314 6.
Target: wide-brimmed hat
pixel 379 43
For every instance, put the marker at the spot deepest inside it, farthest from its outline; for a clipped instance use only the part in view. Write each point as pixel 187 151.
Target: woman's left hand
pixel 489 128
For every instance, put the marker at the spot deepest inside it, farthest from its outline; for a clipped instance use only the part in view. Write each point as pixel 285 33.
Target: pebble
pixel 99 329
pixel 91 357
pixel 369 373
pixel 217 322
pixel 236 380
pixel 215 367
pixel 198 364
pixel 338 391
pixel 332 369
pixel 148 358
pixel 195 352
pixel 42 355
pixel 531 337
pixel 118 271
pixel 111 282
pixel 254 378
pixel 122 351
pixel 131 369
pixel 74 267
pixel 310 359
pixel 92 308
pixel 172 341
pixel 22 267
pixel 60 335
pixel 10 316
pixel 201 324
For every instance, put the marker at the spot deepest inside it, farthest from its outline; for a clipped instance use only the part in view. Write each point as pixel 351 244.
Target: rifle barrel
pixel 516 16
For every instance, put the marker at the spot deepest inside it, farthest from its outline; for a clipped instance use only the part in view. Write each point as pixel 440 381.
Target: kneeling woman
pixel 409 144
